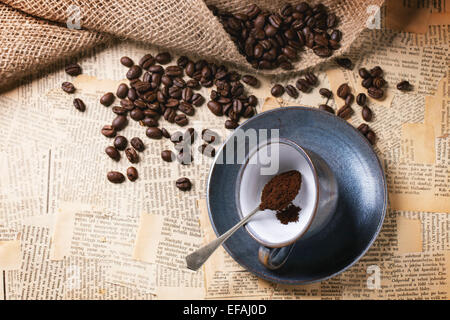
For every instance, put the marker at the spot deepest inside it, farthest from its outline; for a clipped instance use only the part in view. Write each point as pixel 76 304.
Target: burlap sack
pixel 34 34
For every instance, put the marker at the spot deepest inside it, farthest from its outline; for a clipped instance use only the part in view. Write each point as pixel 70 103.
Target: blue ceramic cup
pixel 317 197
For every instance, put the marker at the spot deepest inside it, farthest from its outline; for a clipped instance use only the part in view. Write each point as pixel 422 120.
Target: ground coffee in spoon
pixel 281 190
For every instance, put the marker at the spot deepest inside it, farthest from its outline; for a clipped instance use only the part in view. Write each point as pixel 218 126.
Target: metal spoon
pixel 196 259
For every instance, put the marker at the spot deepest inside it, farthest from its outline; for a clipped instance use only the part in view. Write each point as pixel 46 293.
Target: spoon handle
pixel 196 259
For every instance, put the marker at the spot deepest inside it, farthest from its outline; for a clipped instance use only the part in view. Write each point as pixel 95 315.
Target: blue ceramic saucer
pixel 361 205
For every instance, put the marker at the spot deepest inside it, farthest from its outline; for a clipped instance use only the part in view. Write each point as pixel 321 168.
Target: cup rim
pixel 300 150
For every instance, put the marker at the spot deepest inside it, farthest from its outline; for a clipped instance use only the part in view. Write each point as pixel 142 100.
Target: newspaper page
pixel 65 227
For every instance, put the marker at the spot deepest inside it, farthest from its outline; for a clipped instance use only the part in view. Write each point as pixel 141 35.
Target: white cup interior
pixel 264 226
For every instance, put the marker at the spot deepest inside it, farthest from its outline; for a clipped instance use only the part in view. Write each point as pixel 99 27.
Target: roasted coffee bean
pixel 378 82
pixel 375 92
pixel 361 99
pixel 142 87
pixel 182 61
pixel 149 122
pixel 345 63
pixel 248 112
pixel 126 61
pixel 137 144
pixel 343 91
pixel 163 57
pixel 311 78
pixel 367 83
pixel 215 108
pixel 345 112
pixel 132 94
pixel 112 153
pixel 132 155
pixel 252 100
pixel 107 99
pixel 120 142
pixel 184 184
pixel 174 71
pixel 115 177
pixel 179 82
pixel 136 114
pixel 277 90
pixel 73 69
pixel 404 85
pixel 132 174
pixel 370 135
pixel 170 114
pixel 154 133
pixel 187 94
pixel 366 113
pixel 363 128
pixel 250 80
pixel 322 52
pixel 79 105
pixel 336 35
pixel 181 120
pixel 119 122
pixel 364 73
pixel 167 155
pixel 186 108
pixel 108 131
pixel 146 61
pixel 134 72
pixel 193 84
pixel 376 72
pixel 327 108
pixel 207 150
pixel 324 92
pixel 122 91
pixel 172 103
pixel 303 85
pixel 68 87
pixel 349 99
pixel 291 91
pixel 230 124
pixel 165 133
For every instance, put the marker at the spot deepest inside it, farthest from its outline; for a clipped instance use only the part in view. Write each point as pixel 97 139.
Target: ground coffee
pixel 288 214
pixel 281 190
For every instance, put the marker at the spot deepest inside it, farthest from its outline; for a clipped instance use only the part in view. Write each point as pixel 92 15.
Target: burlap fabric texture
pixel 34 33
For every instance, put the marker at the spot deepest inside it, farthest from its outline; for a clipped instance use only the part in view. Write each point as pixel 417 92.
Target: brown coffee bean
pixel 291 91
pixel 126 61
pixel 277 90
pixel 376 72
pixel 361 99
pixel 186 108
pixel 327 108
pixel 345 112
pixel 363 128
pixel 108 131
pixel 132 155
pixel 68 87
pixel 250 80
pixel 367 83
pixel 207 150
pixel 73 69
pixel 174 71
pixel 146 61
pixel 343 91
pixel 112 153
pixel 349 99
pixel 370 135
pixel 311 78
pixel 137 144
pixel 167 155
pixel 215 108
pixel 322 52
pixel 154 133
pixel 324 92
pixel 366 114
pixel 184 184
pixel 181 120
pixel 404 86
pixel 132 174
pixel 120 142
pixel 187 94
pixel 107 99
pixel 149 122
pixel 119 122
pixel 122 91
pixel 230 124
pixel 165 133
pixel 79 105
pixel 134 72
pixel 378 82
pixel 375 92
pixel 345 63
pixel 182 61
pixel 163 57
pixel 303 85
pixel 364 73
pixel 115 177
pixel 136 114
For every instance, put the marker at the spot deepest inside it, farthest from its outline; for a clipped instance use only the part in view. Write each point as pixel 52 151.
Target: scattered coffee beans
pixel 167 155
pixel 291 91
pixel 373 81
pixel 366 113
pixel 79 105
pixel 73 69
pixel 68 87
pixel 107 99
pixel 184 184
pixel 137 144
pixel 112 153
pixel 126 61
pixel 115 177
pixel 277 90
pixel 327 108
pixel 120 142
pixel 132 174
pixel 132 155
pixel 361 99
pixel 108 131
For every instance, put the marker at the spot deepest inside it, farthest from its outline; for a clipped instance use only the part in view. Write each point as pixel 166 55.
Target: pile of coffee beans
pixel 270 40
pixel 344 92
pixel 373 81
pixel 73 70
pixel 304 84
